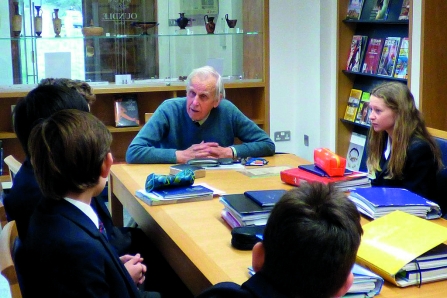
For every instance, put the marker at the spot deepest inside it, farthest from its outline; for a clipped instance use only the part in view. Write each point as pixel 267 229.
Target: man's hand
pixel 203 150
pixel 135 267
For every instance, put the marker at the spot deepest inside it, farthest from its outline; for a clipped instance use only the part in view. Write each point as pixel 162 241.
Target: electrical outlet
pixel 282 136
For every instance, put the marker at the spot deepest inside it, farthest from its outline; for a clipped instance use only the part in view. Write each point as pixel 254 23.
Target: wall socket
pixel 282 136
pixel 306 140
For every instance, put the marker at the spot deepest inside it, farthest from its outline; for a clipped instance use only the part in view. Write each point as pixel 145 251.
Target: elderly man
pixel 202 125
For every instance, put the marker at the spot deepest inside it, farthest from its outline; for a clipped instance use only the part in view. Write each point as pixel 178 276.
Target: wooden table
pixel 193 237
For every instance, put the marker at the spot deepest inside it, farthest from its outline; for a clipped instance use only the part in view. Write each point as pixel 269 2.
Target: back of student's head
pixel 67 152
pixel 311 241
pixel 82 87
pixel 40 103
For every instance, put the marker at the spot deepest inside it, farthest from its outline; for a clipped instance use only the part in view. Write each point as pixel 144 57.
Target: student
pixel 401 152
pixel 67 253
pixel 309 247
pixel 25 194
pixel 202 125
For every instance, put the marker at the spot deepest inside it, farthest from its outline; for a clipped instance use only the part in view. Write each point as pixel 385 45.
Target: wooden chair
pixel 13 165
pixel 3 220
pixel 7 238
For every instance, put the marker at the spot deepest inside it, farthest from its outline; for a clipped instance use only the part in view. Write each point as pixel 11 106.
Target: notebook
pixel 375 202
pixel 265 198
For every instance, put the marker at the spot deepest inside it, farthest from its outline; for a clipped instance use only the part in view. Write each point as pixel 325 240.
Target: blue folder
pixel 375 202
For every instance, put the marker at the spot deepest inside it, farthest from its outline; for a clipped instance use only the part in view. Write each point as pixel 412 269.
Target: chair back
pixel 3 219
pixel 8 236
pixel 442 143
pixel 13 165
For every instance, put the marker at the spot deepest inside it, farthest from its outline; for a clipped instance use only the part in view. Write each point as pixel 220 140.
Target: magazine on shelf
pixel 372 56
pixel 388 59
pixel 353 104
pixel 355 151
pixel 380 10
pixel 354 9
pixel 356 53
pixel 126 111
pixel 363 110
pixel 402 60
pixel 405 10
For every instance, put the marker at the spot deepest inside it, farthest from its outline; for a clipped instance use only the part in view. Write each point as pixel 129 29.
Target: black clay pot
pixel 182 21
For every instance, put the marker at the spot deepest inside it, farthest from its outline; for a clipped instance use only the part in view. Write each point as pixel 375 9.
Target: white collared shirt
pixel 86 209
pixel 388 148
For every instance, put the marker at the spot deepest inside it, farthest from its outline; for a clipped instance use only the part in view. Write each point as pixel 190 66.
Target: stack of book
pixel 404 249
pixel 376 202
pixel 250 208
pixel 366 283
pixel 311 173
pixel 172 195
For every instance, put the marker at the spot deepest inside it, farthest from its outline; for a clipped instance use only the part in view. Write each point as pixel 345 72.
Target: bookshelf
pixel 347 80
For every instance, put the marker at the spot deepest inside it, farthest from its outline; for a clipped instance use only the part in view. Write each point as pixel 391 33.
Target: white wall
pixel 302 73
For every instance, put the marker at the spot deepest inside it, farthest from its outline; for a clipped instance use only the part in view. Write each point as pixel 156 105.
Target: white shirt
pixel 388 148
pixel 86 209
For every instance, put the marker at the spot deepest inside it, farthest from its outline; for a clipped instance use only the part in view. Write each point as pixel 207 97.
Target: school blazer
pixel 68 257
pixel 419 173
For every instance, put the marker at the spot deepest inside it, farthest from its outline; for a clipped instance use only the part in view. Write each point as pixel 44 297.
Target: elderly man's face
pixel 201 97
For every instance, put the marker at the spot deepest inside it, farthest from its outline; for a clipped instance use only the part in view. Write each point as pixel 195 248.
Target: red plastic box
pixel 333 164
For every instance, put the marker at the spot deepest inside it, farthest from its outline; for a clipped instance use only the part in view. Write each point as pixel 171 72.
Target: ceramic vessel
pixel 230 23
pixel 182 21
pixel 16 21
pixel 57 23
pixel 38 21
pixel 209 24
pixel 92 30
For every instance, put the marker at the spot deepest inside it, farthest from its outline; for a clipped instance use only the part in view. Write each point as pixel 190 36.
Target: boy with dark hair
pixel 67 253
pixel 309 247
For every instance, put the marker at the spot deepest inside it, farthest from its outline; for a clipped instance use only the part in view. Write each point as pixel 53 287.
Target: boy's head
pixel 70 153
pixel 82 87
pixel 310 242
pixel 39 104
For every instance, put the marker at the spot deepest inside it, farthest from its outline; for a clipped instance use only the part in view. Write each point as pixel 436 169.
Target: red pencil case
pixel 328 161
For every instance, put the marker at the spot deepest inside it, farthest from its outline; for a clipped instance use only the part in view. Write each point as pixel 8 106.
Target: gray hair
pixel 205 72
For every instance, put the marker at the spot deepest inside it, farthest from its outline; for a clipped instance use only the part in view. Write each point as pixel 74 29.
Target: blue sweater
pixel 171 129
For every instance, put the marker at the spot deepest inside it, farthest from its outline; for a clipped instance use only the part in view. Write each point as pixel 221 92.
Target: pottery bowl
pixel 92 31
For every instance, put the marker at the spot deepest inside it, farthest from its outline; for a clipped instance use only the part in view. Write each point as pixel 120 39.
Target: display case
pixel 156 58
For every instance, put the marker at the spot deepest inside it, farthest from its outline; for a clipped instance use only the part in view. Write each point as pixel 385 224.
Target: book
pixel 244 210
pixel 396 239
pixel 353 105
pixel 199 172
pixel 314 169
pixel 265 198
pixel 356 53
pixel 402 60
pixel 380 10
pixel 363 110
pixel 172 195
pixel 389 55
pixel 372 56
pixel 354 9
pixel 355 151
pixel 365 282
pixel 126 111
pixel 405 10
pixel 297 176
pixel 376 202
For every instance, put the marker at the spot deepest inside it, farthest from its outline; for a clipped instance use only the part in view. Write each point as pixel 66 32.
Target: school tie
pixel 102 229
